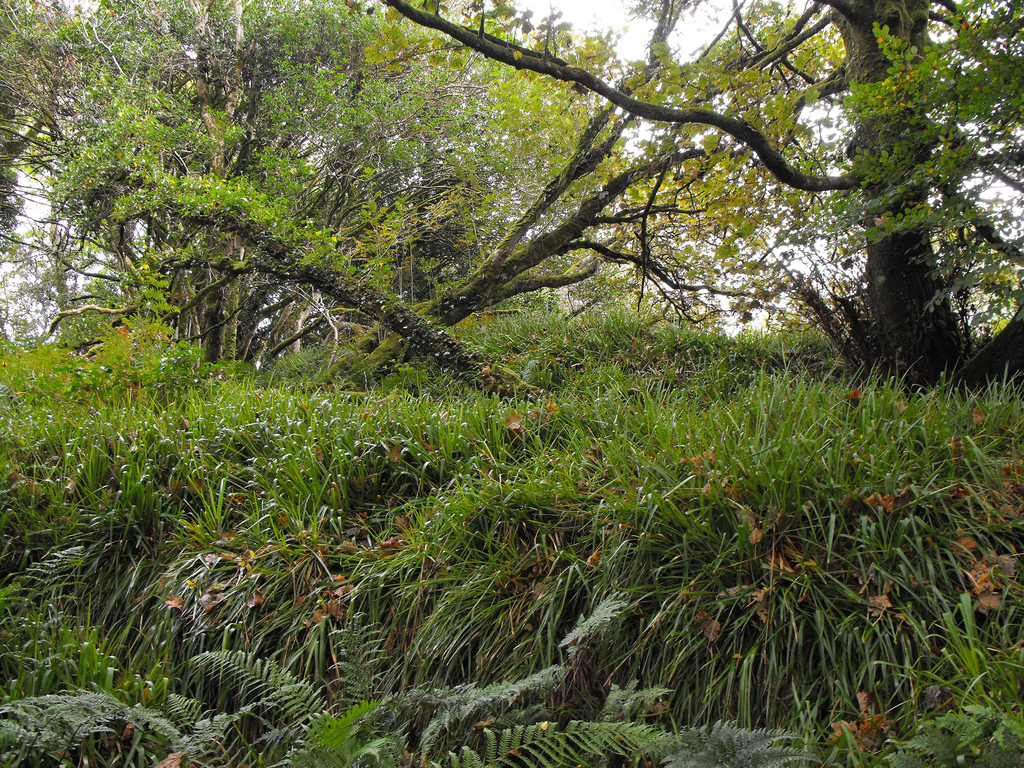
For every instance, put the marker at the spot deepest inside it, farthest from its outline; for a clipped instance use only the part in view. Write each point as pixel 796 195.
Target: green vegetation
pixel 688 539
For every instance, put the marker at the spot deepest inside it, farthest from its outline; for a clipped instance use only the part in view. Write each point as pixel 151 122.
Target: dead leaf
pixel 595 558
pixel 978 416
pixel 755 535
pixel 171 761
pixel 779 561
pixel 255 600
pixel 854 396
pixel 176 602
pixel 967 543
pixel 989 601
pixel 551 406
pixel 336 608
pixel 712 629
pixel 882 602
pixel 395 454
pixel 1007 564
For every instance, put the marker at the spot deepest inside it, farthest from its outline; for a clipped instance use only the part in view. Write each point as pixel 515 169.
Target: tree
pixel 932 136
pixel 201 168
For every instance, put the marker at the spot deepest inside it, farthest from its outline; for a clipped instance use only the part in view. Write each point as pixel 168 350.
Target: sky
pixel 614 14
pixel 598 15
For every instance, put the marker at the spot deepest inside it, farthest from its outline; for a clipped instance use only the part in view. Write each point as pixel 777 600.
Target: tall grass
pixel 797 551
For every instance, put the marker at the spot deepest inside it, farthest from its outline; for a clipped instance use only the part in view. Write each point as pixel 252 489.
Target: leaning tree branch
pixel 741 130
pixel 114 311
pixel 282 256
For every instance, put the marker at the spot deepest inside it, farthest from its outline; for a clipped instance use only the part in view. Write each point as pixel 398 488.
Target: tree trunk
pixel 916 328
pixel 1002 358
pixel 917 332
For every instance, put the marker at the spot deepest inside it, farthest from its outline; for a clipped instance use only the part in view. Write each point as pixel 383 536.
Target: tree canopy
pixel 256 174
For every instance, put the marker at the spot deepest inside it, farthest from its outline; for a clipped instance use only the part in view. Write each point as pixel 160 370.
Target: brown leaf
pixel 854 396
pixel 395 454
pixel 967 543
pixel 255 600
pixel 176 602
pixel 402 523
pixel 1007 564
pixel 779 561
pixel 865 703
pixel 978 416
pixel 336 608
pixel 755 535
pixel 171 761
pixel 989 601
pixel 881 601
pixel 344 589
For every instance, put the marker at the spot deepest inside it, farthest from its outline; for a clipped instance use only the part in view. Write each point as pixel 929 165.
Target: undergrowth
pixel 792 549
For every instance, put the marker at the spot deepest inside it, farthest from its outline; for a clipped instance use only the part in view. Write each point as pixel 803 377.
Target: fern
pixel 59 723
pixel 263 684
pixel 545 745
pixel 979 736
pixel 590 629
pixel 341 742
pixel 726 745
pixel 455 706
pixel 627 703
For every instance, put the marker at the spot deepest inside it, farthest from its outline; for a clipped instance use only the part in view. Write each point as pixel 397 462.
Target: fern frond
pixel 60 722
pixel 545 745
pixel 591 628
pixel 726 745
pixel 457 705
pixel 266 683
pixel 341 742
pixel 626 703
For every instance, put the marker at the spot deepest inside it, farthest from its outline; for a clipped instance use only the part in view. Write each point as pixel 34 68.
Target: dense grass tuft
pixel 794 551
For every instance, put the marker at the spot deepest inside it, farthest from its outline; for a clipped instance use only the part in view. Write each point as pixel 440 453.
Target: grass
pixel 796 551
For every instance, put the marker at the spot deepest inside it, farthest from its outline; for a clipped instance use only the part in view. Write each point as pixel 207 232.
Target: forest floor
pixel 225 567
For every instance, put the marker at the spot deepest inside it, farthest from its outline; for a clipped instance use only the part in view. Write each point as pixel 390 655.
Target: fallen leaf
pixel 881 601
pixel 255 600
pixel 967 543
pixel 171 761
pixel 990 601
pixel 978 416
pixel 336 608
pixel 176 602
pixel 395 454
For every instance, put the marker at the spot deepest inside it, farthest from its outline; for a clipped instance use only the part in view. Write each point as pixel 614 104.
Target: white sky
pixel 614 14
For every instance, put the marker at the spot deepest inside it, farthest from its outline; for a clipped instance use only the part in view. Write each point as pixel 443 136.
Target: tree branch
pixel 88 308
pixel 739 129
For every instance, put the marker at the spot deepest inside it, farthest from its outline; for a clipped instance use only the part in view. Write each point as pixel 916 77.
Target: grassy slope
pixel 794 555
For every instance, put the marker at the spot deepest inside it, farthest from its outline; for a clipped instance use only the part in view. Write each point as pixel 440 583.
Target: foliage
pixel 723 745
pixel 57 724
pixel 977 736
pixel 754 517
